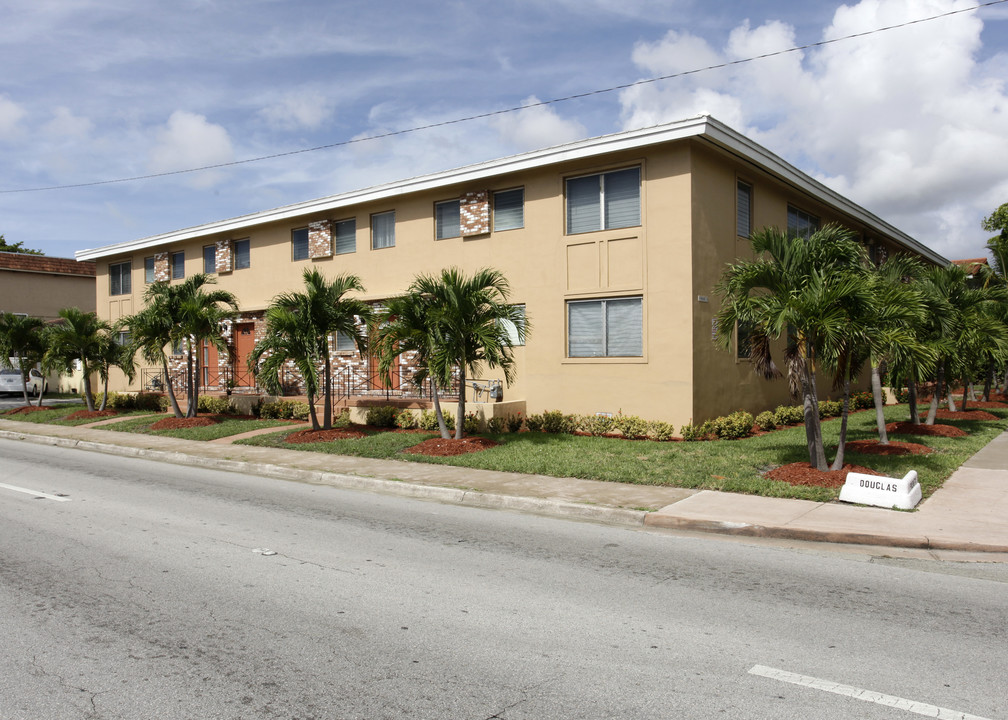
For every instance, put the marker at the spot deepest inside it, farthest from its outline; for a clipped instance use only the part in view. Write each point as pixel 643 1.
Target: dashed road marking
pixel 36 493
pixel 862 694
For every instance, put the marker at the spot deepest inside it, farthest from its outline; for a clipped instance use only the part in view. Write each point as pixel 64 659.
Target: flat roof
pixel 702 127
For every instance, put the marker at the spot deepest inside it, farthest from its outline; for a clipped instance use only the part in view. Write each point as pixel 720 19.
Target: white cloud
pixel 906 122
pixel 303 109
pixel 536 127
pixel 190 141
pixel 10 117
pixel 67 126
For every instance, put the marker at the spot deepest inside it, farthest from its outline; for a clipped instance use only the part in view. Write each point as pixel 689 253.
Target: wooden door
pixel 244 343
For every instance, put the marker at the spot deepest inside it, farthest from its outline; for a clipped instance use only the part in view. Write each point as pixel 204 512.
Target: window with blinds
pixel 612 327
pixel 299 244
pixel 604 201
pixel 242 257
pixel 801 223
pixel 446 220
pixel 743 210
pixel 209 259
pixel 345 236
pixel 120 278
pixel 509 209
pixel 383 230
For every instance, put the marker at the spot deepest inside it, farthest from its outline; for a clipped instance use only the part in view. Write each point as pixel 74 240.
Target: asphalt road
pixel 150 591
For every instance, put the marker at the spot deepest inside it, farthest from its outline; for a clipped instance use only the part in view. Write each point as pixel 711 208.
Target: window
pixel 512 330
pixel 178 265
pixel 209 259
pixel 801 223
pixel 605 328
pixel 446 220
pixel 148 270
pixel 123 338
pixel 604 201
pixel 119 278
pixel 383 230
pixel 345 343
pixel 743 210
pixel 345 236
pixel 509 209
pixel 241 254
pixel 299 244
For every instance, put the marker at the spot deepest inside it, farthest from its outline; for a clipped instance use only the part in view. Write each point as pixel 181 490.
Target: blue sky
pixel 911 123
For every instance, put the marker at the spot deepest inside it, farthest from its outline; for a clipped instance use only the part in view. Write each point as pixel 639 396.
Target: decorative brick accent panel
pixel 161 271
pixel 223 258
pixel 320 239
pixel 474 213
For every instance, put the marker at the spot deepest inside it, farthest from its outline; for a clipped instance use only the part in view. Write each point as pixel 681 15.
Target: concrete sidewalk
pixel 969 513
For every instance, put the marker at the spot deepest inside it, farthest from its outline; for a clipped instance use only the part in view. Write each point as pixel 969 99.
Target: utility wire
pixel 505 111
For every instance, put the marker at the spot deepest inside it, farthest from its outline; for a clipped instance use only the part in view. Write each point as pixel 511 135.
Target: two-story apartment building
pixel 613 245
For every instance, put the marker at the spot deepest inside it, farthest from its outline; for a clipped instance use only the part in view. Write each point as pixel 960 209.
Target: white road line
pixel 36 493
pixel 861 694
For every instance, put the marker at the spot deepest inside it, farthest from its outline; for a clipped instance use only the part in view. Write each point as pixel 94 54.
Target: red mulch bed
pixel 174 423
pixel 311 436
pixel 25 410
pixel 88 414
pixel 801 473
pixel 936 430
pixel 439 447
pixel 984 405
pixel 895 447
pixel 965 415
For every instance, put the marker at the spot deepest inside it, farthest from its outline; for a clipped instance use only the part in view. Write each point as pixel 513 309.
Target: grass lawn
pixel 50 415
pixel 227 426
pixel 734 466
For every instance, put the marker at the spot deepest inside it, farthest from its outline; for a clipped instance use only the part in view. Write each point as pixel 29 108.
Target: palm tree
pixel 800 285
pixel 405 326
pixel 22 339
pixel 114 354
pixel 289 337
pixel 151 331
pixel 469 325
pixel 79 336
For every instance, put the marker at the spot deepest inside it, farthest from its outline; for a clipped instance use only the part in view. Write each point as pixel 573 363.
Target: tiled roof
pixel 42 264
pixel 972 265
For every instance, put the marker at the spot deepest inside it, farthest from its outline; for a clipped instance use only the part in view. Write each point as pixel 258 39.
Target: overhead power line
pixel 517 108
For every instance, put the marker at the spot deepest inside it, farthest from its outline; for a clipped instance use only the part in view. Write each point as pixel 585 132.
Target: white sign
pixel 903 493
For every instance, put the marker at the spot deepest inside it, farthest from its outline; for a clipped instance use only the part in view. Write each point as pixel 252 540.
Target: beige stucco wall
pixel 44 294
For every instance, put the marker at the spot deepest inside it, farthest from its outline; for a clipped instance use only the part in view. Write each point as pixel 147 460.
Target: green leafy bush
pixel 830 408
pixel 496 425
pixel 534 422
pixel 732 427
pixel 694 433
pixel 406 420
pixel 214 405
pixel 382 416
pixel 902 395
pixel 631 426
pixel 284 410
pixel 555 421
pixel 660 430
pixel 597 425
pixel 471 424
pixel 515 422
pixel 765 421
pixel 864 400
pixel 428 421
pixel 789 415
pixel 129 401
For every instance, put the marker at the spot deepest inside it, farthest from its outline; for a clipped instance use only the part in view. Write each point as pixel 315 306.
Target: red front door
pixel 244 343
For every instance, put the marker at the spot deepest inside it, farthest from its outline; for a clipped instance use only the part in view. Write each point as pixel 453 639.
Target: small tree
pixel 79 336
pixel 22 346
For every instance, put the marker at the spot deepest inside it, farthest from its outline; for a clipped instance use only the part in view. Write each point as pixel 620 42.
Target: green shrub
pixel 471 424
pixel 496 425
pixel 214 405
pixel 597 425
pixel 694 433
pixel 631 426
pixel 765 421
pixel 284 410
pixel 428 421
pixel 515 422
pixel 789 415
pixel 163 402
pixel 534 422
pixel 555 421
pixel 732 427
pixel 381 416
pixel 829 408
pixel 660 430
pixel 405 419
pixel 902 395
pixel 342 419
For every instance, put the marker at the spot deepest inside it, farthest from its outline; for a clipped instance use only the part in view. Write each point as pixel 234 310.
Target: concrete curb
pixel 455 496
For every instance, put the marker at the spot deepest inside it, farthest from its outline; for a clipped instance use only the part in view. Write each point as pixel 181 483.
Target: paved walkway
pixel 969 513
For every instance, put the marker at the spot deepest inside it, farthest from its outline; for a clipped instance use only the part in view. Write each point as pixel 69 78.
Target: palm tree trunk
pixel 813 428
pixel 838 461
pixel 24 388
pixel 442 425
pixel 191 407
pixel 949 398
pixel 104 397
pixel 88 396
pixel 170 387
pixel 876 386
pixel 460 415
pixel 41 392
pixel 967 387
pixel 912 398
pixel 311 412
pixel 936 395
pixel 327 393
pixel 988 381
pixel 194 411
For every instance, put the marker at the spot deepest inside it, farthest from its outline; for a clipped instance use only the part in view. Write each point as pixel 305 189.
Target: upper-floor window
pixel 178 265
pixel 743 209
pixel 299 244
pixel 603 201
pixel 515 338
pixel 119 278
pixel 149 270
pixel 509 209
pixel 345 343
pixel 345 236
pixel 209 259
pixel 383 230
pixel 611 327
pixel 241 254
pixel 446 220
pixel 801 223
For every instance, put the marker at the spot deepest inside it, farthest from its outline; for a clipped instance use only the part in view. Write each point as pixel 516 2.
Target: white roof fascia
pixel 739 144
